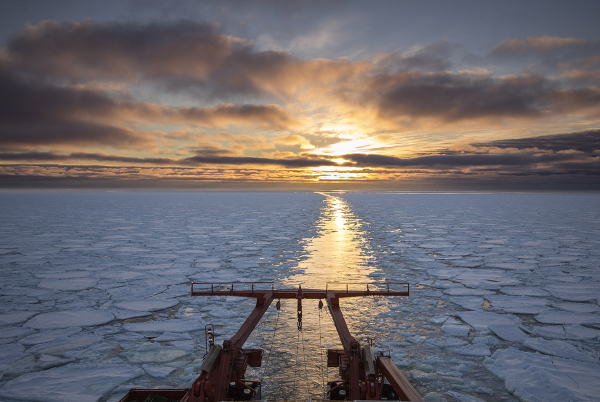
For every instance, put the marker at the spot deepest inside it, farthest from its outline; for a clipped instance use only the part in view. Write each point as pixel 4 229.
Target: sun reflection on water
pixel 336 255
pixel 297 359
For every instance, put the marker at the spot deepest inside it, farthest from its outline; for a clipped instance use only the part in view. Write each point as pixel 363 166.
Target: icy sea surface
pixel 504 303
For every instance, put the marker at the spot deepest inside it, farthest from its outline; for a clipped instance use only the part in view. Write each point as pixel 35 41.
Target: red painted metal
pixel 397 380
pixel 223 378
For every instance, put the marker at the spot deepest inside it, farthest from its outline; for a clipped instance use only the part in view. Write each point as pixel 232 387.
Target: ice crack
pixel 572 379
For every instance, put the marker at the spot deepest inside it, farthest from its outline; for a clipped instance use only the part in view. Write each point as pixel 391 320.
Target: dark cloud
pixel 34 112
pixel 453 97
pixel 240 160
pixel 38 113
pixel 225 157
pixel 577 60
pixel 202 157
pixel 585 141
pixel 120 50
pixel 264 116
pixel 545 44
pixel 180 54
pixel 450 97
pixel 434 57
pixel 58 157
pixel 464 160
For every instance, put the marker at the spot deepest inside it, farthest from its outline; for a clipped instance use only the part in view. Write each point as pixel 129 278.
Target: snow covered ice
pixel 504 289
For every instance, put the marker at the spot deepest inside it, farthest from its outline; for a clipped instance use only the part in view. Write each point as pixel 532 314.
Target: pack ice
pixel 503 305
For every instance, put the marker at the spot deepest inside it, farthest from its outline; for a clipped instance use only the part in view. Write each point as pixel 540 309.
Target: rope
pixel 305 371
pixel 297 353
pixel 321 349
pixel 270 348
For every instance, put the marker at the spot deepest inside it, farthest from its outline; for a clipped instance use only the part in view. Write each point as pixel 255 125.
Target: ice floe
pixel 480 320
pixel 560 348
pixel 175 325
pixel 147 305
pixel 69 284
pixel 15 318
pixel 70 318
pixel 49 335
pixel 71 383
pixel 564 317
pixel 508 332
pixel 535 377
pixel 453 327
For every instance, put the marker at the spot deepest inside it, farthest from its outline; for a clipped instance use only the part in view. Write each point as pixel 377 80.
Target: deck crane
pixel 364 376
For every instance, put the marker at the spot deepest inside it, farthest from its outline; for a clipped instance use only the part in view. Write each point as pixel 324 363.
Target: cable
pixel 305 371
pixel 297 353
pixel 270 348
pixel 321 349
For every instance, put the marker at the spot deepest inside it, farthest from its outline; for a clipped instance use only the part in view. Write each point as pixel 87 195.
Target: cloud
pixel 575 59
pixel 585 141
pixel 294 140
pixel 451 97
pixel 121 50
pixel 183 55
pixel 37 113
pixel 410 96
pixel 99 157
pixel 466 160
pixel 434 57
pixel 33 112
pixel 263 116
pixel 540 44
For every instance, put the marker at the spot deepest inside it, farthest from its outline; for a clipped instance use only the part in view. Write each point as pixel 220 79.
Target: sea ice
pixel 70 383
pixel 453 327
pixel 550 331
pixel 576 292
pixel 469 303
pixel 70 318
pixel 464 291
pixel 578 307
pixel 175 325
pixel 533 377
pixel 15 332
pixel 508 332
pixel 127 314
pixel 480 320
pixel 524 291
pixel 485 278
pixel 161 371
pixel 155 354
pixel 576 331
pixel 445 342
pixel 487 340
pixel 564 317
pixel 69 284
pixel 47 361
pixel 15 318
pixel 463 397
pixel 559 348
pixel 518 304
pixel 147 305
pixel 64 275
pixel 173 336
pixel 473 350
pixel 49 335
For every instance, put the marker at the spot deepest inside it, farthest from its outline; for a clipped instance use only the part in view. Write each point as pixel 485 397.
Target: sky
pixel 289 95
